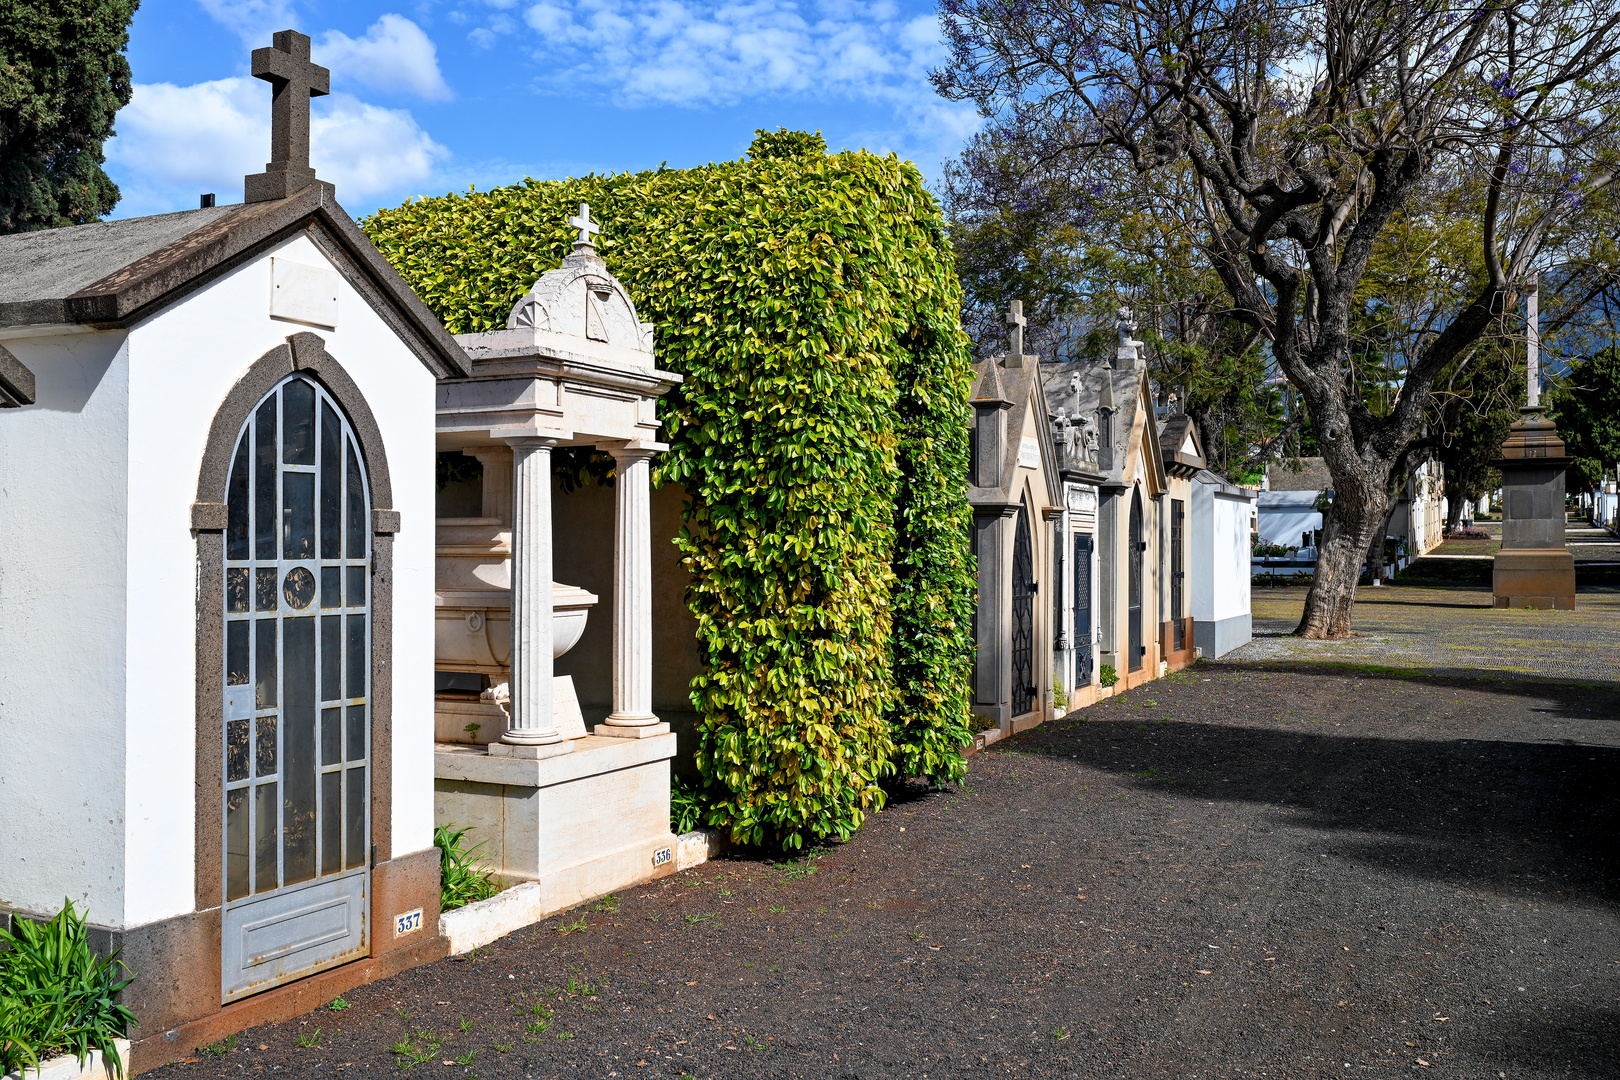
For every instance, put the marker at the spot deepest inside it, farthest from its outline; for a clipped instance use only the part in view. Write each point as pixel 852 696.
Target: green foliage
pixel 63 77
pixel 685 805
pixel 782 143
pixel 56 995
pixel 1107 676
pixel 811 303
pixel 1586 408
pixel 460 882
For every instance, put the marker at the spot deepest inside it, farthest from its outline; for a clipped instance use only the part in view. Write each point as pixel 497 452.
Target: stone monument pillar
pixel 1534 569
pixel 531 730
pixel 632 715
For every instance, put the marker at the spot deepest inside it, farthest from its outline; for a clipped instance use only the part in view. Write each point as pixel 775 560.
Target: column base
pixel 610 730
pixel 530 750
pixel 1534 578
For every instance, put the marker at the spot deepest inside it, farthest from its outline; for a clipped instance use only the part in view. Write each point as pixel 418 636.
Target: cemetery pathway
pixel 1447 631
pixel 1288 865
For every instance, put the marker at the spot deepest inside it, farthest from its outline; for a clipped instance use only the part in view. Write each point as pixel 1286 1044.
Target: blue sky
pixel 434 95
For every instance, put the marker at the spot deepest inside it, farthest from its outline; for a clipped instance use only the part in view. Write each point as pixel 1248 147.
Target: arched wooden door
pixel 1134 595
pixel 1023 616
pixel 296 724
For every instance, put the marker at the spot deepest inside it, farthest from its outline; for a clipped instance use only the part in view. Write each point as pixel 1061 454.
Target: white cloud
pixel 174 142
pixel 251 20
pixel 719 52
pixel 394 55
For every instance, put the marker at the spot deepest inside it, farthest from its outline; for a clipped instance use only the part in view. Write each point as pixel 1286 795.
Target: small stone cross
pixel 1015 319
pixel 294 80
pixel 582 221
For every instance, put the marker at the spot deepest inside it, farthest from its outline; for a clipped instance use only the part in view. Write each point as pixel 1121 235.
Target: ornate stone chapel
pixel 245 666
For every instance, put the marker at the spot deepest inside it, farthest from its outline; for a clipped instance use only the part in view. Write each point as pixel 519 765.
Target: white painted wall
pixel 183 362
pixel 62 620
pixel 1230 556
pixel 1220 550
pixel 1286 515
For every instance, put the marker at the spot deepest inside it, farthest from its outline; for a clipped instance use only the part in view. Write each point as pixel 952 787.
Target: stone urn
pixel 473 598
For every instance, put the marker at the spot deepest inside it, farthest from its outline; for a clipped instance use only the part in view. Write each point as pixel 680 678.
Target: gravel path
pixel 1452 631
pixel 1274 867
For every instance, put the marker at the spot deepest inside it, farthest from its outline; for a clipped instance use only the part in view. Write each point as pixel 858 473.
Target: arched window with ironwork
pixel 1023 614
pixel 296 724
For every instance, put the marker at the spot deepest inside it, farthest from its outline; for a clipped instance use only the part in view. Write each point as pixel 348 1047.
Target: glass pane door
pixel 296 723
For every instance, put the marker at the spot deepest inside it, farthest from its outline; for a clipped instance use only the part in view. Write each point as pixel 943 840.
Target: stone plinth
pixel 1533 569
pixel 580 825
pixel 1534 578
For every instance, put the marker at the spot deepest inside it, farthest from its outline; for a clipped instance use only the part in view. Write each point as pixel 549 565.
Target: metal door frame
pixel 305 574
pixel 1133 595
pixel 1081 568
pixel 1022 628
pixel 1178 574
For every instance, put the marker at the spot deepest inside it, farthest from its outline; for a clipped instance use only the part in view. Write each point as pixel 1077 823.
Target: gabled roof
pixel 1019 387
pixel 112 274
pixel 1178 441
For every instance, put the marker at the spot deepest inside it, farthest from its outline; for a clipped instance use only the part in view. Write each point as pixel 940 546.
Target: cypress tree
pixel 63 77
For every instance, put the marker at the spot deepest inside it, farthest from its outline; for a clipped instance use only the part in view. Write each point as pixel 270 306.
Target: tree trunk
pixel 1375 548
pixel 1356 513
pixel 1457 499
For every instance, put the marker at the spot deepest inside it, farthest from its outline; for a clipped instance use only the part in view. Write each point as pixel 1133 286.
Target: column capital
pixel 632 449
pixel 524 435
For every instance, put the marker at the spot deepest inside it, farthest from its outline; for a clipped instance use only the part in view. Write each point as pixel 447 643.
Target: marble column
pixel 632 714
pixel 530 729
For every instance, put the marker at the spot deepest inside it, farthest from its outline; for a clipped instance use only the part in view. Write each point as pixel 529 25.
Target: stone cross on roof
pixel 295 79
pixel 582 221
pixel 1015 319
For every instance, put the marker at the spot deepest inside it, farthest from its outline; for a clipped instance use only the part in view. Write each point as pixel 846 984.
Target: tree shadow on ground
pixel 1458 677
pixel 1530 819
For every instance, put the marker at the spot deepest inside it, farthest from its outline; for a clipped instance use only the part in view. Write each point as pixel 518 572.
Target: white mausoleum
pixel 216 594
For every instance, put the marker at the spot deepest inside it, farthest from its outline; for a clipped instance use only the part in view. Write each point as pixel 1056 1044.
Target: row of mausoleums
pixel 288 578
pixel 1108 554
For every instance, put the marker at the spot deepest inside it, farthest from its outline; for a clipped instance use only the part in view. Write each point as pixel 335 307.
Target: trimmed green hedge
pixel 812 303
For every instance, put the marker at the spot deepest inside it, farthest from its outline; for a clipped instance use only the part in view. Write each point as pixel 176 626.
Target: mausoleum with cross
pixel 228 593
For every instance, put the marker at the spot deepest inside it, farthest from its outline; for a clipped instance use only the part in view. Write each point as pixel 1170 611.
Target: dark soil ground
pixel 1275 869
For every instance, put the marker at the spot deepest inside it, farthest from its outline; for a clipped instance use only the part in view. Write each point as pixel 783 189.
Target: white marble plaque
pixel 1081 498
pixel 1029 453
pixel 303 293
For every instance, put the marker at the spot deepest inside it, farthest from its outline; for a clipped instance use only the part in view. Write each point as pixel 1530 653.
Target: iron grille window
pixel 1023 617
pixel 297 646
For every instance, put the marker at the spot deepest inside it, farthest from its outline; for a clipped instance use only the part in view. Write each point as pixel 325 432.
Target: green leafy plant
pixel 310 1039
pixel 1060 696
pixel 56 995
pixel 685 805
pixel 820 438
pixel 460 882
pixel 337 1004
pixel 978 723
pixel 1107 676
pixel 218 1049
